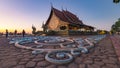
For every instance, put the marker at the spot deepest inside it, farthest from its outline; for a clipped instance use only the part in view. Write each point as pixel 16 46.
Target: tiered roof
pixel 66 16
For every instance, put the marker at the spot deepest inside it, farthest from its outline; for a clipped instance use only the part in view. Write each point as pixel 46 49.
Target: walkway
pixel 116 43
pixel 102 56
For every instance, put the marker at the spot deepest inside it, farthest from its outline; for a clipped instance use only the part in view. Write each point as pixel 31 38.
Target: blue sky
pixel 21 14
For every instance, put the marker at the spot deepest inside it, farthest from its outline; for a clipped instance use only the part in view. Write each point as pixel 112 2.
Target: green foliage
pixel 33 29
pixel 44 28
pixel 73 32
pixel 51 32
pixel 116 27
pixel 34 32
pixel 116 1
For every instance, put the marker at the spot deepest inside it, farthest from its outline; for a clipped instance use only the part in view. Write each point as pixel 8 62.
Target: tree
pixel 34 30
pixel 113 27
pixel 116 1
pixel 116 27
pixel 44 27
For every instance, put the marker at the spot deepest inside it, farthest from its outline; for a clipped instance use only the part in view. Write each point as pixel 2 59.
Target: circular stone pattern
pixel 75 52
pixel 59 57
pixel 59 50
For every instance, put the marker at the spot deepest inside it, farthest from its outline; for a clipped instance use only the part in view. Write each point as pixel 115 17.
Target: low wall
pixel 71 33
pixel 81 33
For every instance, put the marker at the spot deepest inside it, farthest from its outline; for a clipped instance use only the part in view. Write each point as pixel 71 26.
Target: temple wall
pixel 62 23
pixel 55 23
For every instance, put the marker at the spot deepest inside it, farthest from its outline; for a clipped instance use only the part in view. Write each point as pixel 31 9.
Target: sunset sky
pixel 21 14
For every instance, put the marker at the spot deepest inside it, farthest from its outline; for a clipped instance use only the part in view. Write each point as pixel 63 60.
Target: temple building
pixel 65 21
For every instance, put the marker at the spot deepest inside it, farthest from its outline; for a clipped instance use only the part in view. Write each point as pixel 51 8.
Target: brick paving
pixel 102 56
pixel 116 43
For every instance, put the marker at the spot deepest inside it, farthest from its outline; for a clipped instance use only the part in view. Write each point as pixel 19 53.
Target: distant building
pixel 65 21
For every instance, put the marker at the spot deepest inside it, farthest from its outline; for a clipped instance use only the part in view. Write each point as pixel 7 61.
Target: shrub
pixel 51 32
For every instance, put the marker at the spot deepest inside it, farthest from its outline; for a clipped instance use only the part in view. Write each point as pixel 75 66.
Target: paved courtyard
pixel 102 56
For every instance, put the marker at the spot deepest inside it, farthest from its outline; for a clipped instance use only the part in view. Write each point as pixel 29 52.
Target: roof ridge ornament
pixel 51 5
pixel 66 9
pixel 62 8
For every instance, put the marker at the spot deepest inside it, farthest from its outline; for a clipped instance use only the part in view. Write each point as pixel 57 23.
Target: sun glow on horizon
pixel 21 14
pixel 18 30
pixel 12 17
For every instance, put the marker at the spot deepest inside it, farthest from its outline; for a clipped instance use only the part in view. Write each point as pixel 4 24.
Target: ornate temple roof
pixel 66 16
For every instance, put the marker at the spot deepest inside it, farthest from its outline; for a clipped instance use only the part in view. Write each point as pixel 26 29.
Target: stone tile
pixel 78 60
pixel 30 64
pixel 27 53
pixel 107 61
pixel 19 66
pixel 8 63
pixel 99 63
pixel 93 66
pixel 43 64
pixel 61 66
pixel 22 63
pixel 88 61
pixel 113 58
pixel 82 65
pixel 111 55
pixel 39 67
pixel 112 66
pixel 97 59
pixel 103 56
pixel 38 59
pixel 19 56
pixel 73 65
pixel 51 66
pixel 40 56
pixel 25 60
